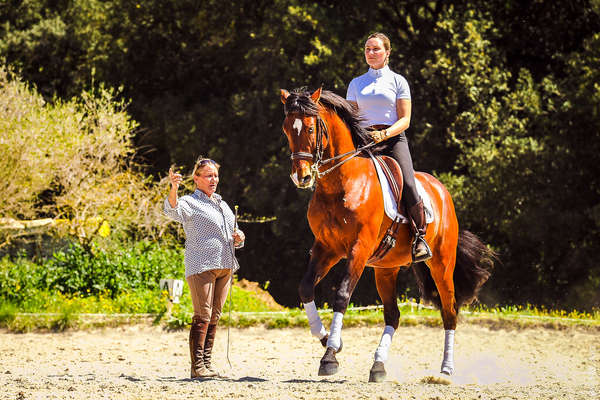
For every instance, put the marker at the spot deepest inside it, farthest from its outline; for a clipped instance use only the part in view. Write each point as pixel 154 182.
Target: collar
pixel 201 195
pixel 376 73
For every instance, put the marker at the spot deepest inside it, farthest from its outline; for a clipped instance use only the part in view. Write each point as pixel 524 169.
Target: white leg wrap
pixel 381 354
pixel 335 333
pixel 316 326
pixel 448 363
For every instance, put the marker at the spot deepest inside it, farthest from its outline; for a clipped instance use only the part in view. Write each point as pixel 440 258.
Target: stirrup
pixel 423 257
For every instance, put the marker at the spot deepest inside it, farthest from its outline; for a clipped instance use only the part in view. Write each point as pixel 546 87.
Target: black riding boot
pixel 420 248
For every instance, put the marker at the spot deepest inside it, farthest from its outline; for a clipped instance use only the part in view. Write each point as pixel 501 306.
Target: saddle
pixel 393 173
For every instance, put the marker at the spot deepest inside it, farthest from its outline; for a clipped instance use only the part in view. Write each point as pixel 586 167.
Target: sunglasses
pixel 205 161
pixel 202 163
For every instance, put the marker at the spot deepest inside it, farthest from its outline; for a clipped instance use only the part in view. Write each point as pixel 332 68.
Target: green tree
pixel 504 108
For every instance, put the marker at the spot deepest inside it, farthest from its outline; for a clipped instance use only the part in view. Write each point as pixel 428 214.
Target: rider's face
pixel 375 53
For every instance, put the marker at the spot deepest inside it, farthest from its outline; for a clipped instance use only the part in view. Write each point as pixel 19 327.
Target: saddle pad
pixel 389 203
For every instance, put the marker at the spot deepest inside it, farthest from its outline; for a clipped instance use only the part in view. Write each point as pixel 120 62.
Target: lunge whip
pixel 235 225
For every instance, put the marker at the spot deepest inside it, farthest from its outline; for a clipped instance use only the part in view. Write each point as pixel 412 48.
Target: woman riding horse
pixel 383 100
pixel 347 218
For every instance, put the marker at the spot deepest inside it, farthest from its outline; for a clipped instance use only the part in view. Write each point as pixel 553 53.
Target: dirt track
pixel 143 362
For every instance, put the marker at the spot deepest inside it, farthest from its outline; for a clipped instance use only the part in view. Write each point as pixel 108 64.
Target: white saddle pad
pixel 389 203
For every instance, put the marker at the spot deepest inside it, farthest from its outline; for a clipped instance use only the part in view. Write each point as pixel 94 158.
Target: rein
pixel 318 156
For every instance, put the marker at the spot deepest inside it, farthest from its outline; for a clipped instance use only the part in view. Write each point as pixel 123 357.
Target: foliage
pixel 505 111
pixel 123 280
pixel 71 161
pixel 76 272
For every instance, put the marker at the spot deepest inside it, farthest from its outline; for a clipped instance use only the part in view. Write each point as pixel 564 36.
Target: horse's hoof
pixel 447 370
pixel 329 365
pixel 324 343
pixel 377 373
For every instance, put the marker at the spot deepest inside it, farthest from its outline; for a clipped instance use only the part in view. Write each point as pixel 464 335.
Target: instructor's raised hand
pixel 175 178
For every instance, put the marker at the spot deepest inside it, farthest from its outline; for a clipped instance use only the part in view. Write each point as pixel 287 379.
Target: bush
pixel 19 280
pixel 72 161
pixel 79 272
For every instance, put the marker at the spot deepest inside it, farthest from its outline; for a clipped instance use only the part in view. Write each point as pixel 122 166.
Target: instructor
pixel 210 233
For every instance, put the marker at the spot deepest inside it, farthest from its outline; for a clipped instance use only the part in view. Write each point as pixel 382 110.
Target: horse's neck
pixel 340 138
pixel 340 142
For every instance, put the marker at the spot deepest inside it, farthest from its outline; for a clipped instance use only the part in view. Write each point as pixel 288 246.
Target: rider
pixel 383 99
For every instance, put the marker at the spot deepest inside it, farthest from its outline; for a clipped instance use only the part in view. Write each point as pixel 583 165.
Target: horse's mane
pixel 299 101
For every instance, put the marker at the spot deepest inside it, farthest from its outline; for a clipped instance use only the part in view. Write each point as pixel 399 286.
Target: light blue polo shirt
pixel 376 93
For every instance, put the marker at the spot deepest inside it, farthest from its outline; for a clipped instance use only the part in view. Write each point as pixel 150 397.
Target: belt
pixel 377 127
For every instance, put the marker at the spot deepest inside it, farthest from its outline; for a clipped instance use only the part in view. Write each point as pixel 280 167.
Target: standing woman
pixel 210 261
pixel 383 100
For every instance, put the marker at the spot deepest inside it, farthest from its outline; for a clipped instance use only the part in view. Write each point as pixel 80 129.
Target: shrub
pixel 72 161
pixel 79 272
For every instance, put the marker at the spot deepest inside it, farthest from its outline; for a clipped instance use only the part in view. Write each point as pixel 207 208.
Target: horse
pixel 329 154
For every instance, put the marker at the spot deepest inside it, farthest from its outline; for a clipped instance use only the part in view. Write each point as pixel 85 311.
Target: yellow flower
pixel 104 230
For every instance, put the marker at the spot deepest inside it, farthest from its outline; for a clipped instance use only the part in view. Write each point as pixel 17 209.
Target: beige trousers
pixel 209 291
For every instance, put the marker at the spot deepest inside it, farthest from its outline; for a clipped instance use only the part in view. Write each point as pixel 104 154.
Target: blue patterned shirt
pixel 208 226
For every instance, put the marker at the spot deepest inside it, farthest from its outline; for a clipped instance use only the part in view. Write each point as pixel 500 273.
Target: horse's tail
pixel 474 261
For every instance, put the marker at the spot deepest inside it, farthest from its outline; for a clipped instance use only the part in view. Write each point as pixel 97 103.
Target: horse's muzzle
pixel 305 181
pixel 302 175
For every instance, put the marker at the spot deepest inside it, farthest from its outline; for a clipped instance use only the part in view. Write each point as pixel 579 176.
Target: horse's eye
pixel 310 130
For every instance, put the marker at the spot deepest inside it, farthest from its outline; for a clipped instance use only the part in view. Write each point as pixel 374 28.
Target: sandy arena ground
pixel 141 362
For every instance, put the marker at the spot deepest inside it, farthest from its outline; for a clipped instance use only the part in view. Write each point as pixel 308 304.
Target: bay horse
pixel 346 215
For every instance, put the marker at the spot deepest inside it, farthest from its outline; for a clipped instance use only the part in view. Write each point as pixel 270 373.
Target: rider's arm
pixel 403 109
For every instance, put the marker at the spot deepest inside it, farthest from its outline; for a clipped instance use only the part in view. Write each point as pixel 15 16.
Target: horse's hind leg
pixel 318 266
pixel 385 279
pixel 442 272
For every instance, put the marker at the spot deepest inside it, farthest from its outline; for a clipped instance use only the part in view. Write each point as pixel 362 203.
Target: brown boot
pixel 208 345
pixel 420 248
pixel 197 338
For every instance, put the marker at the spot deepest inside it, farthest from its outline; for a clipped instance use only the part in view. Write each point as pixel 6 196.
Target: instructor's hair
pixel 202 161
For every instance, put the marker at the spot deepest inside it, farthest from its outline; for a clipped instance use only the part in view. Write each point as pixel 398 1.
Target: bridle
pixel 319 149
pixel 317 157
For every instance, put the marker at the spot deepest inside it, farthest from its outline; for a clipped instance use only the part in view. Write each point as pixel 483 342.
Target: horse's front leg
pixel 354 269
pixel 321 261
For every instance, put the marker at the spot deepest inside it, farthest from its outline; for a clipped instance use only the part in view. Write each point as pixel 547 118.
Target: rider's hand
pixel 174 178
pixel 379 136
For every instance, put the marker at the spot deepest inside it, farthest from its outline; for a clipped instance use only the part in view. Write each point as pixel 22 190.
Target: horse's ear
pixel 316 95
pixel 284 95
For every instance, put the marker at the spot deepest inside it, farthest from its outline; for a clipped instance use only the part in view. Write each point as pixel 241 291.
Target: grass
pixel 411 315
pixel 54 311
pixel 57 312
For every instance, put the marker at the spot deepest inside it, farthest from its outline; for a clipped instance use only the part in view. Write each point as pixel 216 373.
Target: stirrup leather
pixel 426 256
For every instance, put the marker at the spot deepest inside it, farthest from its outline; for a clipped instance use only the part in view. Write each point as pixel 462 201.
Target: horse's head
pixel 304 134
